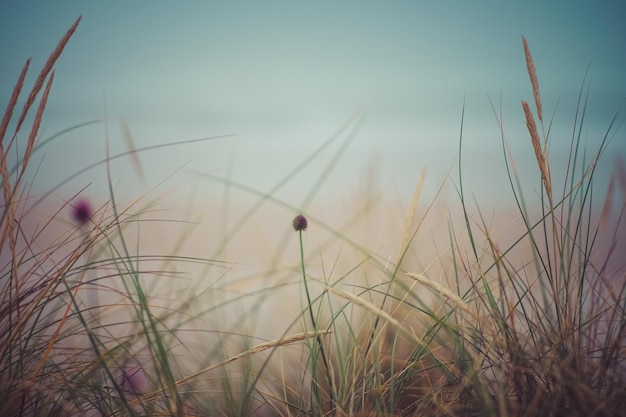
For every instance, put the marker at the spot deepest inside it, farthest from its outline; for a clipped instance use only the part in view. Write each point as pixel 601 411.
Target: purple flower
pixel 81 211
pixel 299 223
pixel 133 380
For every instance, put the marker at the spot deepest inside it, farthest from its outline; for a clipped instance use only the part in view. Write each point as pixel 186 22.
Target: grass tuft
pixel 528 319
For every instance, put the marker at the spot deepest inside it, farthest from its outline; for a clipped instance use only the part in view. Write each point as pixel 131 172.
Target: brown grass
pixel 45 71
pixel 532 73
pixel 284 341
pixel 9 222
pixel 539 151
pixel 9 192
pixel 488 350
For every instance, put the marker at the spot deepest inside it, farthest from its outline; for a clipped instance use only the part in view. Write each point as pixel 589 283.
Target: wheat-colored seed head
pixel 530 65
pixel 539 152
pixel 408 221
pixel 32 137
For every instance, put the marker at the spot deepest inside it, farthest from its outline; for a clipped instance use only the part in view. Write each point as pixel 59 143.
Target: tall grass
pixel 92 325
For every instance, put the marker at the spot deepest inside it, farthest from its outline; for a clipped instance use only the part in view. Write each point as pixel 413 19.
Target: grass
pixel 91 325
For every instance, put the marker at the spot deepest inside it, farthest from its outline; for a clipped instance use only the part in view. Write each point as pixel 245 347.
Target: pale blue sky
pixel 284 76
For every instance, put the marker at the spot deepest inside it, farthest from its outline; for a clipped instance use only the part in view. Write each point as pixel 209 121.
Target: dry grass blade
pixel 7 217
pixel 378 313
pixel 253 350
pixel 539 153
pixel 8 113
pixel 7 221
pixel 408 222
pixel 132 149
pixel 443 291
pixel 36 123
pixel 259 348
pixel 45 71
pixel 606 209
pixel 530 66
pixel 39 298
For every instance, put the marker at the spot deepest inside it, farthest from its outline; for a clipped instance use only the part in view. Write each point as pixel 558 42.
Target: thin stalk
pixel 313 322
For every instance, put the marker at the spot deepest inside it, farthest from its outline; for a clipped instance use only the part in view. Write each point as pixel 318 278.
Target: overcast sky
pixel 285 76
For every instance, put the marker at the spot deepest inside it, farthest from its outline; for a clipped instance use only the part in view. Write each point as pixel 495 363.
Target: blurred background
pixel 387 80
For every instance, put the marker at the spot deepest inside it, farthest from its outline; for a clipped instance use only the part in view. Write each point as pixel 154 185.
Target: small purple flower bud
pixel 299 223
pixel 81 211
pixel 133 380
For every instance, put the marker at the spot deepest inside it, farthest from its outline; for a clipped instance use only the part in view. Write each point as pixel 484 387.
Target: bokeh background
pixel 284 77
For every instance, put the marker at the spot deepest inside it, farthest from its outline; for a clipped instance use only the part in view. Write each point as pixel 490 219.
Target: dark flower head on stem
pixel 81 211
pixel 299 223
